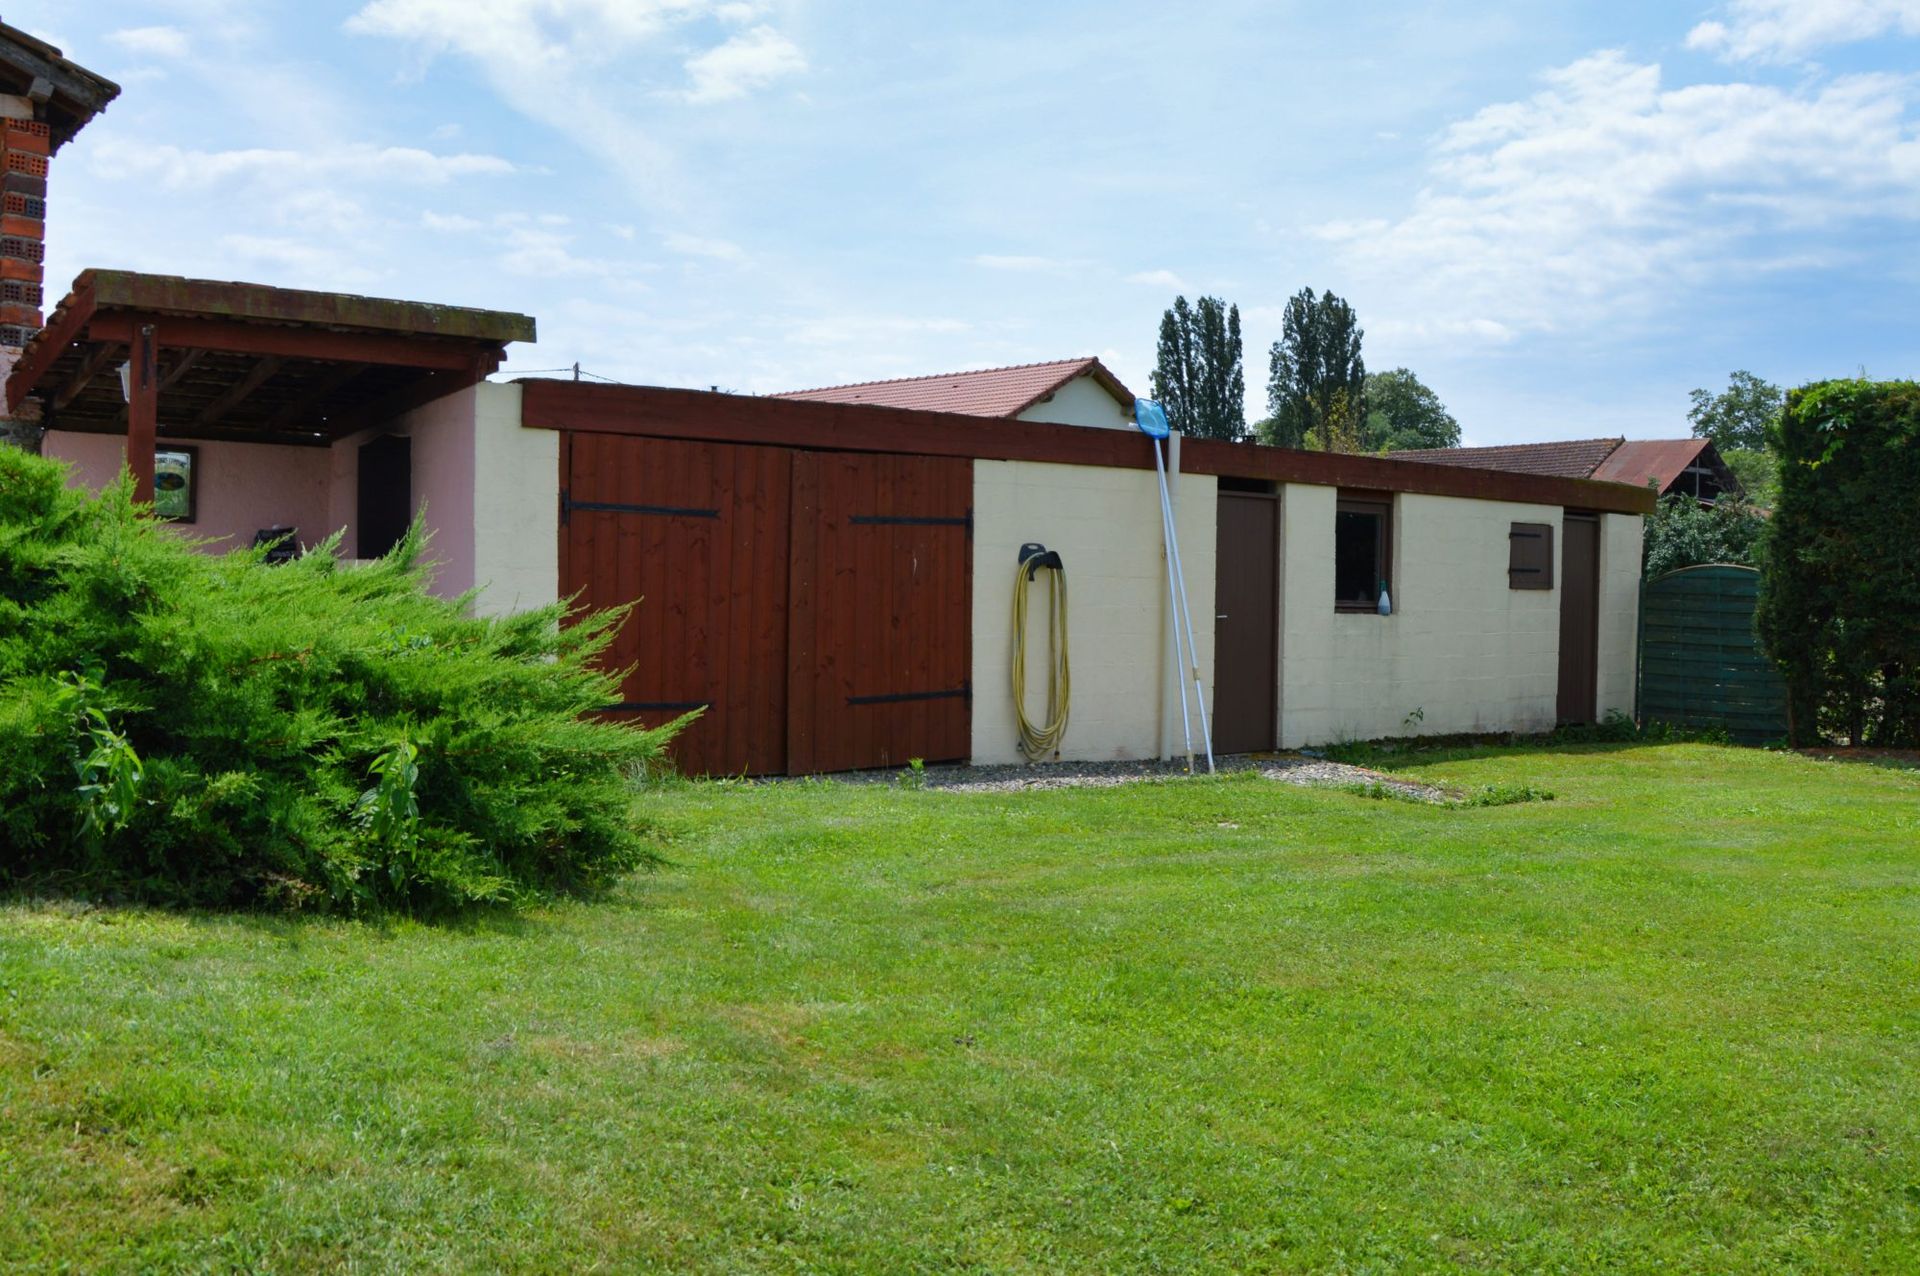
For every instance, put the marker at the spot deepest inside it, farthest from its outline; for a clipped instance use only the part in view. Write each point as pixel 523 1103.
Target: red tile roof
pixel 994 392
pixel 1571 458
pixel 1661 460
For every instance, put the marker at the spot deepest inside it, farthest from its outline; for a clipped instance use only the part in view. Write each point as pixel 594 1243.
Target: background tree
pixel 1738 420
pixel 1199 376
pixel 1402 413
pixel 1316 358
pixel 1684 533
pixel 1739 415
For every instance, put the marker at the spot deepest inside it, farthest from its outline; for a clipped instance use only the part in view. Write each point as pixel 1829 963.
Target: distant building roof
pixel 69 95
pixel 1571 458
pixel 994 392
pixel 1662 461
pixel 1637 462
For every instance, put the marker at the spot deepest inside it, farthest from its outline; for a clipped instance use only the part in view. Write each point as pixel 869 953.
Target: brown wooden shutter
pixel 1530 556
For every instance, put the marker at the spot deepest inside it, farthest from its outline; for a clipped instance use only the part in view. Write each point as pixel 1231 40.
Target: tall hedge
pixel 211 729
pixel 1840 588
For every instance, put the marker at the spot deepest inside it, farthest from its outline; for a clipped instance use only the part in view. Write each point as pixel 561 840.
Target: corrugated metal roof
pixel 1661 460
pixel 1568 458
pixel 994 392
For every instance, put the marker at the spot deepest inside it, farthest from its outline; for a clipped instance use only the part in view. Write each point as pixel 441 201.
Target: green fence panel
pixel 1701 666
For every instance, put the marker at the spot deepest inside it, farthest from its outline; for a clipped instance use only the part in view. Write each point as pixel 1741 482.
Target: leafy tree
pixel 1684 533
pixel 1402 413
pixel 1199 377
pixel 1840 585
pixel 1737 417
pixel 1317 357
pixel 1758 471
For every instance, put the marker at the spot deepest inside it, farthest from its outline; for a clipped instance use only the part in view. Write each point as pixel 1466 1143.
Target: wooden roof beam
pixel 90 365
pixel 181 366
pixel 236 394
pixel 316 394
pixel 66 325
pixel 320 344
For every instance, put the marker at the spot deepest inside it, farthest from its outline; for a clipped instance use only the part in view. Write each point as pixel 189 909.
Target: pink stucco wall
pixel 243 487
pixel 443 482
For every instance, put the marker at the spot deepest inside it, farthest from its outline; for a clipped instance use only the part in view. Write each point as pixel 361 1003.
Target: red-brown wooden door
pixel 1579 618
pixel 695 537
pixel 881 615
pixel 1246 622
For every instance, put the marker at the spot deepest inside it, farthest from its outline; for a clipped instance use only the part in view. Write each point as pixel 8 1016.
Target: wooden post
pixel 143 411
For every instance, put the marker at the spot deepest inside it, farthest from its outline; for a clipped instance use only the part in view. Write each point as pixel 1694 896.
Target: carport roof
pixel 251 362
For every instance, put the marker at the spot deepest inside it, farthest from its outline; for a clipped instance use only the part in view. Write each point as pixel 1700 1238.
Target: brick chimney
pixel 44 101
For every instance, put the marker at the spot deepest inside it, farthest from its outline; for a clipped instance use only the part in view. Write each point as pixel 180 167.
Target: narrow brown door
pixel 693 537
pixel 881 627
pixel 1579 617
pixel 1246 622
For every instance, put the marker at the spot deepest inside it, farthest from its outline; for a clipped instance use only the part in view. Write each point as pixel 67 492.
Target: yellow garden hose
pixel 1038 742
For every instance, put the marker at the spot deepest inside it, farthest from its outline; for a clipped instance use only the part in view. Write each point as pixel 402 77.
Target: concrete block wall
pixel 1105 523
pixel 1462 648
pixel 516 506
pixel 490 491
pixel 1620 550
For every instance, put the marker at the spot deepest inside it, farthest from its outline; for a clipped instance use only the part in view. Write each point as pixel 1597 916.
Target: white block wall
pixel 1105 523
pixel 1466 651
pixel 516 506
pixel 1082 401
pixel 1620 551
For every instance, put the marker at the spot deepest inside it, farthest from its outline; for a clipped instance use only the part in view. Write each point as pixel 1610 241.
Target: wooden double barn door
pixel 816 606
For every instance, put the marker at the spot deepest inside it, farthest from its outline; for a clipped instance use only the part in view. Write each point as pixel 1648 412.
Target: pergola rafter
pixel 245 362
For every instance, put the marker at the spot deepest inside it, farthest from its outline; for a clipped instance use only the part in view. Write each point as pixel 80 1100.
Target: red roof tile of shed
pixel 993 392
pixel 1571 458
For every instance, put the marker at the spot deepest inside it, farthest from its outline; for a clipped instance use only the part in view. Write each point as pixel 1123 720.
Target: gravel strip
pixel 1287 768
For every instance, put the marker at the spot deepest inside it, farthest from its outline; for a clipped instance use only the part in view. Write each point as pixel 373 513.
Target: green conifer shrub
pixel 191 728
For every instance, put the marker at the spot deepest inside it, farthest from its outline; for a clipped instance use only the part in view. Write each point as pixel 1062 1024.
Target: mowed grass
pixel 1669 1020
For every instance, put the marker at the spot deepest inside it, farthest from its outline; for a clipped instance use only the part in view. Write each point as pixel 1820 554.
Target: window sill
pixel 1358 609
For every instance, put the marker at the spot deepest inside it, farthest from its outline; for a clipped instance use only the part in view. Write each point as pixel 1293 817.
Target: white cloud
pixel 1606 190
pixel 158 42
pixel 1788 30
pixel 871 330
pixel 450 223
pixel 581 67
pixel 1023 265
pixel 698 246
pixel 547 254
pixel 175 168
pixel 1158 279
pixel 751 60
pixel 302 262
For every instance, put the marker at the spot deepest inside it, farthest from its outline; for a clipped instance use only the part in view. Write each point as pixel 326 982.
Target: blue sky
pixel 1562 216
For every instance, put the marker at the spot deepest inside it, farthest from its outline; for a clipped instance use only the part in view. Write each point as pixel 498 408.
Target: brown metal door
pixel 1246 622
pixel 1579 618
pixel 695 536
pixel 880 627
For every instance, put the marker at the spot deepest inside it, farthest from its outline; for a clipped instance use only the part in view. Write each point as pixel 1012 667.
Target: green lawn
pixel 1671 1019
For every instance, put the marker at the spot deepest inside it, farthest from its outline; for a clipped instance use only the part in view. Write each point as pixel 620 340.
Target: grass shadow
pixel 1906 760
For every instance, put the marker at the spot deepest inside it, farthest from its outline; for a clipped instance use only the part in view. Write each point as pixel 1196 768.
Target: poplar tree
pixel 1316 373
pixel 1200 378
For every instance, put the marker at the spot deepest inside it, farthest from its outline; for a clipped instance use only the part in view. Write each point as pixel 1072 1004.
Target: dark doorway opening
pixel 386 494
